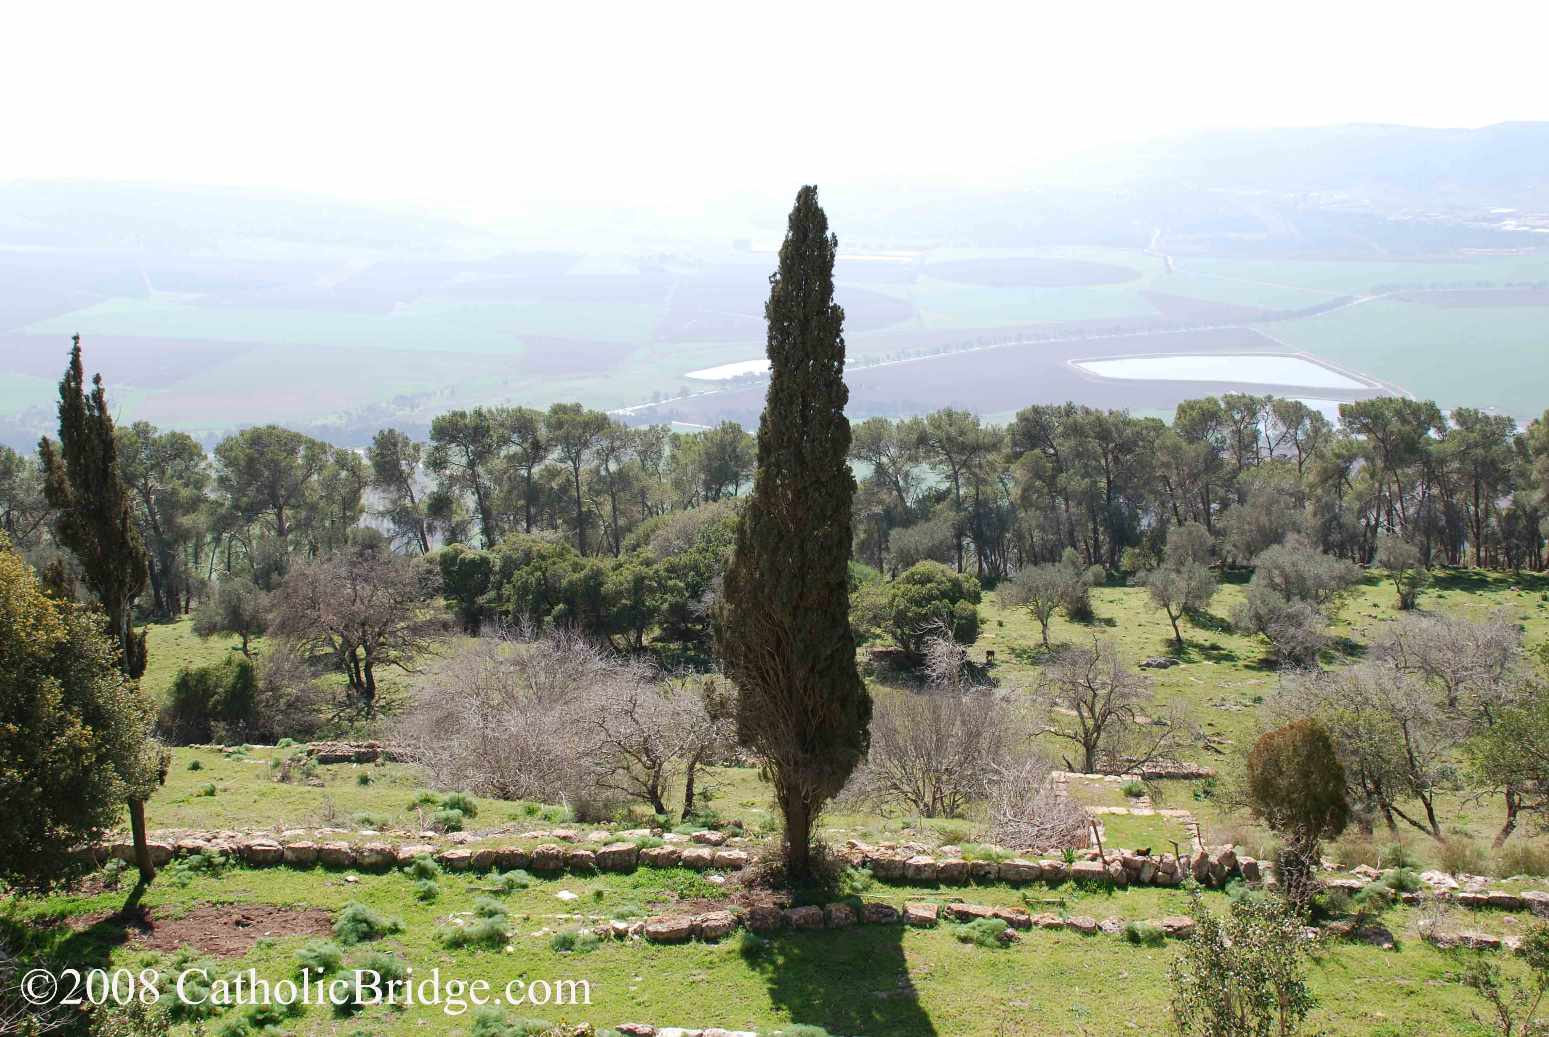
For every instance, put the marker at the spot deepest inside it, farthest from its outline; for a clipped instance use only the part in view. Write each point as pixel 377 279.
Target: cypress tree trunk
pixel 784 630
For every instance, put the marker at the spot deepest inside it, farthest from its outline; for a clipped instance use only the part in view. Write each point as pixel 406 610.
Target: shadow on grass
pixel 1196 651
pixel 850 981
pixel 49 941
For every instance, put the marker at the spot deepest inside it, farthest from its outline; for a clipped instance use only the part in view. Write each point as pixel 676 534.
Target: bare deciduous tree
pixel 365 608
pixel 1097 702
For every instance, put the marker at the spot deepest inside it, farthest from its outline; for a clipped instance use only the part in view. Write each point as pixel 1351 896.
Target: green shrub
pixel 207 790
pixel 423 867
pixel 1521 858
pixel 1133 789
pixel 985 932
pixel 357 923
pixel 985 852
pixel 462 802
pixel 1403 880
pixel 215 703
pixel 751 946
pixel 285 743
pixel 488 907
pixel 363 778
pixel 492 1022
pixel 1397 855
pixel 578 941
pixel 1373 898
pixel 426 890
pixel 320 958
pixel 512 881
pixel 649 842
pixel 854 881
pixel 487 931
pixel 195 765
pixel 1144 934
pixel 424 799
pixel 447 820
pixel 375 822
pixel 1460 855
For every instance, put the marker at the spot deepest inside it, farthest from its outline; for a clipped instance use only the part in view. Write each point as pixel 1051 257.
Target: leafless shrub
pixel 934 750
pixel 560 719
pixel 1030 811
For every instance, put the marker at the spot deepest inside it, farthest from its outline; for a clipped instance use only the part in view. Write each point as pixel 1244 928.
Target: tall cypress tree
pixel 784 626
pixel 96 522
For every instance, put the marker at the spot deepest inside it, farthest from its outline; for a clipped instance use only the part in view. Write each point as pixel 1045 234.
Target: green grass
pixel 869 980
pixel 170 647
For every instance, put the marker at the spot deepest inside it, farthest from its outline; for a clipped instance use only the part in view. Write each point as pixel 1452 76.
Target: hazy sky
pixel 486 109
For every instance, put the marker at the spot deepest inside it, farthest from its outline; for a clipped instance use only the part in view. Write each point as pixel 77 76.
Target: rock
pixel 1438 880
pixel 709 838
pixel 1117 875
pixel 1054 872
pixel 258 852
pixel 1014 917
pixel 878 914
pixel 336 855
pixel 1199 866
pixel 617 857
pixel 1367 872
pixel 923 915
pixel 669 930
pixel 1505 901
pixel 715 925
pixel 952 872
pixel 1158 662
pixel 1472 901
pixel 1373 934
pixel 1111 926
pixel 1083 924
pixel 1147 872
pixel 636 1030
pixel 1537 902
pixel 838 916
pixel 807 917
pixel 1466 938
pixel 1226 861
pixel 732 860
pixel 1048 920
pixel 300 854
pixel 406 853
pixel 484 858
pixel 567 896
pixel 187 847
pixel 548 857
pixel 1088 871
pixel 564 835
pixel 509 858
pixel 698 858
pixel 983 871
pixel 970 912
pixel 1018 870
pixel 455 860
pixel 1348 885
pixel 660 856
pixel 1176 925
pixel 376 857
pixel 888 867
pixel 1250 869
pixel 763 919
pixel 580 860
pixel 920 869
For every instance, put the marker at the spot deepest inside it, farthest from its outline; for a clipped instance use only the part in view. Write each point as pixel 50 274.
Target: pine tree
pixel 96 522
pixel 784 630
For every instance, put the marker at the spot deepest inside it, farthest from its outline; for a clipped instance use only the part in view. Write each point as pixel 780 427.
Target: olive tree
pixel 1099 704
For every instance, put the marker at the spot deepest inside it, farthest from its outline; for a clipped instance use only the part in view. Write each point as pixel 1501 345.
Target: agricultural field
pixel 863 981
pixel 208 346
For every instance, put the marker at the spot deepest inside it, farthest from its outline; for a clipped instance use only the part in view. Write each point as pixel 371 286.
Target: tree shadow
pixel 1204 619
pixel 1197 651
pixel 48 940
pixel 853 980
pixel 1033 655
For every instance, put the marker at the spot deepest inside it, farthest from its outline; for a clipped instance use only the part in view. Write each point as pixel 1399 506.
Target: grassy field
pixel 871 981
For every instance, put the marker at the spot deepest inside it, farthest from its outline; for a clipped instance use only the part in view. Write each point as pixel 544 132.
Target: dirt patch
pixel 227 931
